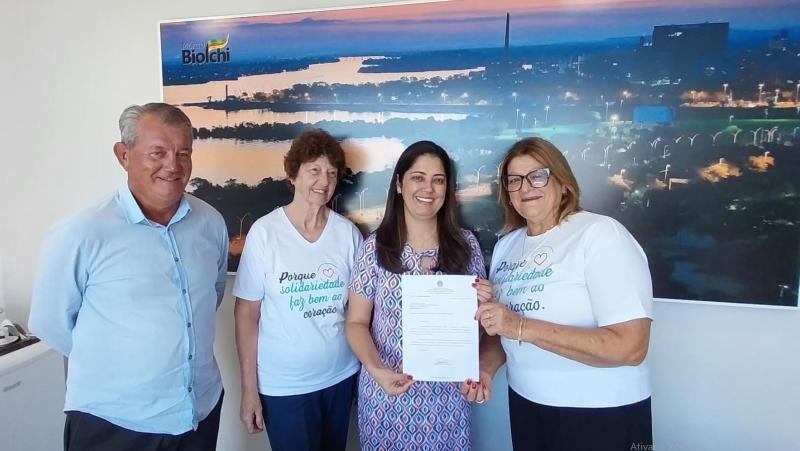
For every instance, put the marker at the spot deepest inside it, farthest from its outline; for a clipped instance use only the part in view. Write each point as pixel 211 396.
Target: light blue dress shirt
pixel 132 303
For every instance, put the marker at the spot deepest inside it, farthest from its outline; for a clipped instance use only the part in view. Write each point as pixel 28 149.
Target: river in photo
pixel 218 160
pixel 344 71
pixel 209 118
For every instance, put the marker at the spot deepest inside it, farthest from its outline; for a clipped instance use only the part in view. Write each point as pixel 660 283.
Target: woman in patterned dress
pixel 419 234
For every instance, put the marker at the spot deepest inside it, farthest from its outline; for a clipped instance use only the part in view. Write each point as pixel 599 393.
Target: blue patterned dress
pixel 430 415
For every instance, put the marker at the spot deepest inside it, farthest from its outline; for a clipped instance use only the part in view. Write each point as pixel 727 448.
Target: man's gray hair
pixel 166 113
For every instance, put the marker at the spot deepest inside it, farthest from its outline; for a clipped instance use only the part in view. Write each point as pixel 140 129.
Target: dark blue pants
pixel 85 432
pixel 536 427
pixel 315 421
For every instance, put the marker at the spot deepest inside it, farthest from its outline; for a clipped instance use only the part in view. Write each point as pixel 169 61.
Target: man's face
pixel 159 164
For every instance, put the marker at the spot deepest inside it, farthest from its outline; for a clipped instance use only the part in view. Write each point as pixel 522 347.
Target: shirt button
pixel 188 324
pixel 190 356
pixel 190 389
pixel 176 259
pixel 183 291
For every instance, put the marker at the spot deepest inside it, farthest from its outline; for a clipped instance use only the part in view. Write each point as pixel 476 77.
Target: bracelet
pixel 519 330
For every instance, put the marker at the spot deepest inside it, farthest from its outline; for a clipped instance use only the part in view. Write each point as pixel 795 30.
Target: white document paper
pixel 440 333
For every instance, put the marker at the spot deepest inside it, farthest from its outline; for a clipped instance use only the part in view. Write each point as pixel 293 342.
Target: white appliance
pixel 32 389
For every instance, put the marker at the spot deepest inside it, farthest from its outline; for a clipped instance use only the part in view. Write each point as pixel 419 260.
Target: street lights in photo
pixel 380 98
pixel 771 133
pixel 755 134
pixel 730 119
pixel 546 113
pixel 522 123
pixel 760 91
pixel 514 95
pixel 724 92
pixel 782 288
pixel 654 145
pixel 777 96
pixel 444 97
pixel 478 175
pixel 516 121
pixel 607 104
pixel 361 201
pixel 736 135
pixel 241 224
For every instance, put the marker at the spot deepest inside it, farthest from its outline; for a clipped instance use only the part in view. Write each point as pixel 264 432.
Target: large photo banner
pixel 681 119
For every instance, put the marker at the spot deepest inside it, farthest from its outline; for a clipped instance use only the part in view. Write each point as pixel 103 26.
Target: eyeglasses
pixel 537 178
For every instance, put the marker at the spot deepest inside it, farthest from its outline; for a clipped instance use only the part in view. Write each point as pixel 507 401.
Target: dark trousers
pixel 315 421
pixel 536 427
pixel 85 432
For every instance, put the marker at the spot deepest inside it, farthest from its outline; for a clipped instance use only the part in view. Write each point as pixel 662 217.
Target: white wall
pixel 2 290
pixel 724 377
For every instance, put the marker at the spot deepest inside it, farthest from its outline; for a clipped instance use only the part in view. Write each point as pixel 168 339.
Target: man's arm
pixel 222 275
pixel 58 289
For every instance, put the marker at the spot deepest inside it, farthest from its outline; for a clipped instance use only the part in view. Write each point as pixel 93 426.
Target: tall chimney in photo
pixel 505 49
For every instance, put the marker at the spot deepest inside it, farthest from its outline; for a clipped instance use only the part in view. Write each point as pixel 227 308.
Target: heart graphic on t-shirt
pixel 327 271
pixel 540 259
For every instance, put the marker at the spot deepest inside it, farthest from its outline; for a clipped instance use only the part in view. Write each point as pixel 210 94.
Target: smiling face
pixel 539 206
pixel 315 182
pixel 159 165
pixel 423 187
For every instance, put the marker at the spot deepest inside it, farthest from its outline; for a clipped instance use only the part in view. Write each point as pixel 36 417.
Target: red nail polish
pixel 469 381
pixel 408 377
pixel 474 385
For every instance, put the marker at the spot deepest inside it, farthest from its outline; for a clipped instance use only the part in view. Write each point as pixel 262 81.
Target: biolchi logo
pixel 216 51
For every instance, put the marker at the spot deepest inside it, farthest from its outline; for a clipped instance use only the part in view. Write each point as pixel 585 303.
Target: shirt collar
pixel 134 213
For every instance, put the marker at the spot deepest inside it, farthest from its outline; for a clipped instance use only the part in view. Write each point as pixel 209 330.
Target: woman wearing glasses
pixel 571 313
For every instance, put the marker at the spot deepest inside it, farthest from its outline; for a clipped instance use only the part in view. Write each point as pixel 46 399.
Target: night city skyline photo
pixel 681 120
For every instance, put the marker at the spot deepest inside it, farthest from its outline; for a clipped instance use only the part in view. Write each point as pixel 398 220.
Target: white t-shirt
pixel 302 347
pixel 589 272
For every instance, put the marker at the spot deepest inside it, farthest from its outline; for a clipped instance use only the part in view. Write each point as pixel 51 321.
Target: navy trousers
pixel 537 427
pixel 316 421
pixel 85 432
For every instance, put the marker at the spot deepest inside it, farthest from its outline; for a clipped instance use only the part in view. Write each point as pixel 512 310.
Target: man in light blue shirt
pixel 128 290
